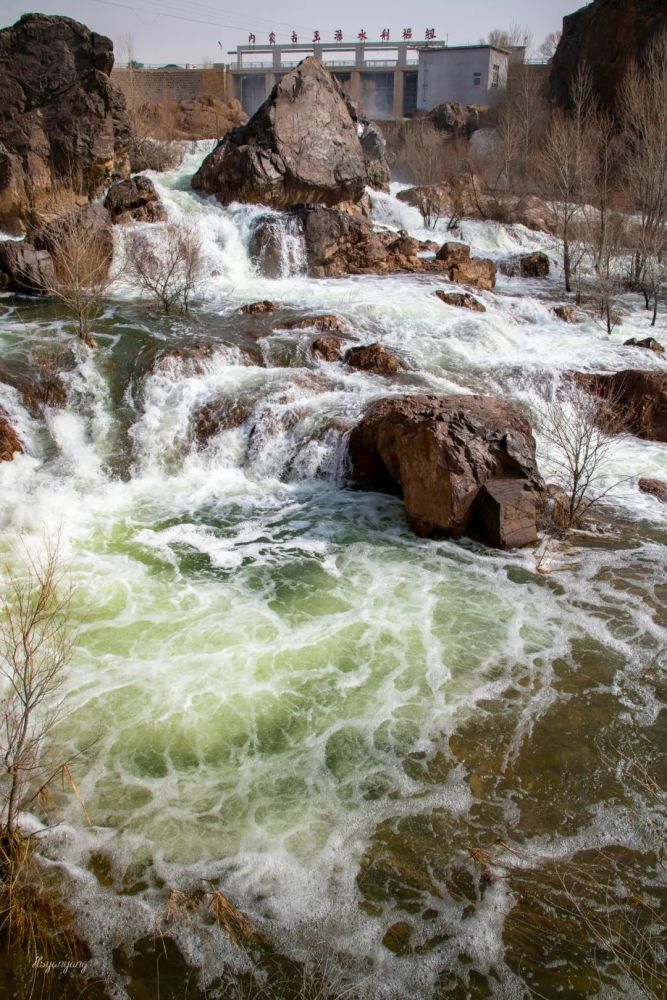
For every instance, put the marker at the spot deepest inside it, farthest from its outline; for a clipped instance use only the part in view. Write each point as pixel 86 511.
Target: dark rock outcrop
pixel 457 119
pixel 305 145
pixel 91 222
pixel 24 268
pixel 648 343
pixel 528 265
pixel 64 128
pixel 134 200
pixel 327 348
pixel 606 35
pixel 638 399
pixel 438 452
pixel 655 488
pixel 255 308
pixel 9 441
pixel 373 358
pixel 461 300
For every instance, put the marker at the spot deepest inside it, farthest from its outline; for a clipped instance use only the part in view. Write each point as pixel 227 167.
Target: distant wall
pixel 141 85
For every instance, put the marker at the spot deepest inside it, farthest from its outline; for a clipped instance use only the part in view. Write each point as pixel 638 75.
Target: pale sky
pixel 189 31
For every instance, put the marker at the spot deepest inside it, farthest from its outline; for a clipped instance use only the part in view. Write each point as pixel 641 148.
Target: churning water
pixel 278 688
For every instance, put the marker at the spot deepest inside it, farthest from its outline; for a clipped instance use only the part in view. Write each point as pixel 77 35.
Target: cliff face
pixel 606 35
pixel 63 125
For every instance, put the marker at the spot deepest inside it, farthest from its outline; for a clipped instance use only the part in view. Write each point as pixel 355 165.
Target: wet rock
pixel 134 200
pixel 24 268
pixel 220 415
pixel 254 308
pixel 397 938
pixel 338 243
pixel 326 323
pixel 655 488
pixel 91 221
pixel 438 452
pixel 478 272
pixel 506 514
pixel 265 246
pixel 638 399
pixel 461 300
pixel 327 348
pixel 10 444
pixel 529 265
pixel 568 314
pixel 64 128
pixel 453 253
pixel 305 145
pixel 373 358
pixel 648 343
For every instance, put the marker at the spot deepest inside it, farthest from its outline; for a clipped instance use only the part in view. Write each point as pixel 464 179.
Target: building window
pixel 495 77
pixel 476 79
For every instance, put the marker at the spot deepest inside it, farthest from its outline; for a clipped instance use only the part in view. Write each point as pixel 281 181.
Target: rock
pixel 305 145
pixel 655 488
pixel 462 300
pixel 220 415
pixel 339 244
pixel 10 444
pixel 265 246
pixel 568 314
pixel 648 343
pixel 637 398
pixel 439 452
pixel 253 308
pixel 453 253
pixel 326 323
pixel 373 358
pixel 529 265
pixel 327 348
pixel 92 222
pixel 606 36
pixel 478 272
pixel 64 128
pixel 25 269
pixel 458 119
pixel 134 200
pixel 202 117
pixel 506 514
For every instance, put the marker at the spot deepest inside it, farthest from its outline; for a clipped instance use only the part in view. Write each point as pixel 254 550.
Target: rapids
pixel 278 688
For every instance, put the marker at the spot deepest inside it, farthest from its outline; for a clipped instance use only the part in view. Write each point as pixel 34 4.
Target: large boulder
pixel 647 344
pixel 24 268
pixel 305 145
pixel 605 36
pixel 439 452
pixel 64 128
pixel 527 265
pixel 638 399
pixel 134 200
pixel 655 488
pixel 373 358
pixel 10 444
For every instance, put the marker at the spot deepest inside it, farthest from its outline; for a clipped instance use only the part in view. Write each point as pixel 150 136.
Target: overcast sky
pixel 189 31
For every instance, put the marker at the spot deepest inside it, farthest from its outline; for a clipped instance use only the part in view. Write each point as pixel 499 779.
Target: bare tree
pixel 35 648
pixel 81 255
pixel 517 38
pixel 643 101
pixel 579 428
pixel 430 159
pixel 547 49
pixel 167 264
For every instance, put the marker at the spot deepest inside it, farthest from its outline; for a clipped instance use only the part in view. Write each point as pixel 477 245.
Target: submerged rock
pixel 461 300
pixel 325 323
pixel 568 314
pixel 638 399
pixel 438 452
pixel 134 200
pixel 327 348
pixel 24 268
pixel 373 358
pixel 305 145
pixel 648 343
pixel 255 308
pixel 655 488
pixel 528 265
pixel 10 444
pixel 64 128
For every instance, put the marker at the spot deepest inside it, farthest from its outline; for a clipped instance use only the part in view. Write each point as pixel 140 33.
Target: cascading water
pixel 281 689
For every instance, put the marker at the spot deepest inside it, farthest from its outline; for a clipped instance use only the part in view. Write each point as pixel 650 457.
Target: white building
pixel 469 74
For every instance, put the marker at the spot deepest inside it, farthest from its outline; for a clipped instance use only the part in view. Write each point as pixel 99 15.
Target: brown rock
pixel 91 220
pixel 326 323
pixel 637 398
pixel 568 314
pixel 438 452
pixel 506 514
pixel 25 269
pixel 462 300
pixel 655 488
pixel 478 272
pixel 258 307
pixel 9 441
pixel 305 145
pixel 529 265
pixel 64 129
pixel 453 253
pixel 220 415
pixel 373 358
pixel 203 117
pixel 648 343
pixel 134 200
pixel 327 348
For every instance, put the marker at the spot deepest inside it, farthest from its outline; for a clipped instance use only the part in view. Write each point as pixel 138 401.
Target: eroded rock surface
pixel 373 358
pixel 638 399
pixel 134 200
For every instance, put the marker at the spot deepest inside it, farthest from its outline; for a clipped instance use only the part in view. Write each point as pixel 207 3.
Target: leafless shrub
pixel 579 428
pixel 433 161
pixel 167 264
